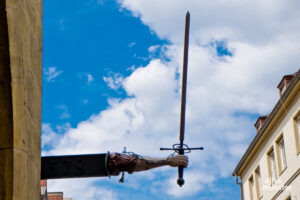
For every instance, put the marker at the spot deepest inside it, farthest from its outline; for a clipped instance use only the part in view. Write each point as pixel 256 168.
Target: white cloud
pixel 114 81
pixel 51 73
pixel 222 92
pixel 131 44
pixel 85 101
pixel 81 189
pixel 101 2
pixel 86 76
pixel 61 23
pixel 153 48
pixel 131 68
pixel 248 21
pixel 192 185
pixel 90 78
pixel 152 115
pixel 220 95
pixel 64 111
pixel 48 135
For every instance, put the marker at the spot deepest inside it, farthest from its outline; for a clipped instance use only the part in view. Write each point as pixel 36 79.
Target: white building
pixel 270 167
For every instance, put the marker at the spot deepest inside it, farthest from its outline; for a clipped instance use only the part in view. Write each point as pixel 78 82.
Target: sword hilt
pixel 180 180
pixel 181 149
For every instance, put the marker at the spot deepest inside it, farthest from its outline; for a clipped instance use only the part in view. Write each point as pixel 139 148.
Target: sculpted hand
pixel 178 160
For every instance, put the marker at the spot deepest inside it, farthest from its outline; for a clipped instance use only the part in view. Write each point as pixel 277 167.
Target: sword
pixel 182 148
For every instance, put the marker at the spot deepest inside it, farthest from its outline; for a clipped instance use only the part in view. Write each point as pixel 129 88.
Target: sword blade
pixel 184 77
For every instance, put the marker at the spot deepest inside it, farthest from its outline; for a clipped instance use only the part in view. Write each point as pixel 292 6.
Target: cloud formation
pixel 85 189
pixel 51 73
pixel 64 111
pixel 90 78
pixel 153 48
pixel 86 76
pixel 113 80
pixel 256 22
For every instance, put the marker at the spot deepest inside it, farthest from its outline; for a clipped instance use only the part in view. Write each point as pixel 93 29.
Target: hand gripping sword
pixel 182 148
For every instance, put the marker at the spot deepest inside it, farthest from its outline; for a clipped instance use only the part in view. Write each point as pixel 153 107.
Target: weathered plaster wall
pixel 20 98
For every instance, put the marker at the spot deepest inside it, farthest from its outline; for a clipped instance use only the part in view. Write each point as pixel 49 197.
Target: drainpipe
pixel 240 184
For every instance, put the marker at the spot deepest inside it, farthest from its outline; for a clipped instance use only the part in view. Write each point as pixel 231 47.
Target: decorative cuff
pixel 121 163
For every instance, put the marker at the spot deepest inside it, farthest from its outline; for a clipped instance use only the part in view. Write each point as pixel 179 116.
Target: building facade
pixel 45 195
pixel 43 190
pixel 55 196
pixel 270 167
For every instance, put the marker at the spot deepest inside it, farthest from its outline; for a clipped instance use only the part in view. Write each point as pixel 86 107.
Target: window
pixel 282 156
pixel 298 131
pixel 298 126
pixel 258 183
pixel 273 168
pixel 43 190
pixel 251 187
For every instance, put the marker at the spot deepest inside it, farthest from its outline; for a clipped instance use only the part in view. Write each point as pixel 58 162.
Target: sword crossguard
pixel 184 149
pixel 181 149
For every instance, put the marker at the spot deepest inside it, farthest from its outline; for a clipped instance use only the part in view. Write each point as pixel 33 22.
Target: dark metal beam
pixel 74 166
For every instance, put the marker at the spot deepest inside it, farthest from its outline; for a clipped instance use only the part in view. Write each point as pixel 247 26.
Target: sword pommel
pixel 180 181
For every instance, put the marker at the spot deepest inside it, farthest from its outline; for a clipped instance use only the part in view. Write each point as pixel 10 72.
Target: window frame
pixel 296 121
pixel 270 161
pixel 281 154
pixel 258 183
pixel 288 197
pixel 252 188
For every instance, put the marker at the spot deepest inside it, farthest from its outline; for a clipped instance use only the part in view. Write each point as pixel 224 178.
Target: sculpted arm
pixel 132 163
pixel 150 163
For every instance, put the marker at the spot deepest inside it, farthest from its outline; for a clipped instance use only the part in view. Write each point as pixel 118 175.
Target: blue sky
pixel 111 78
pixel 83 38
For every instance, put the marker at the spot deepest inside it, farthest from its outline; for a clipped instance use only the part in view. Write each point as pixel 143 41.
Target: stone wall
pixel 20 98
